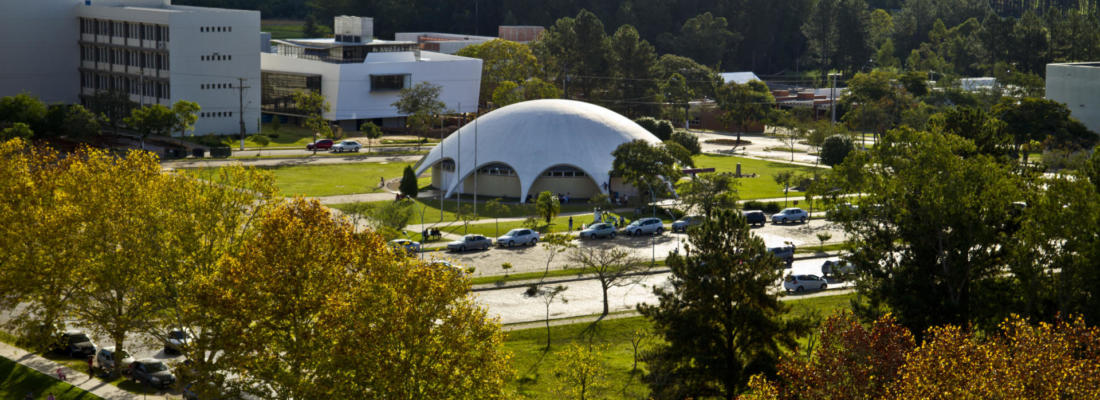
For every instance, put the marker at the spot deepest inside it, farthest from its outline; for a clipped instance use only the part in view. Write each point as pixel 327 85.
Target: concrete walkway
pixel 76 378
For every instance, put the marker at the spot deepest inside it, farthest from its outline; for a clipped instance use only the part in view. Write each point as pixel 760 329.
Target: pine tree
pixel 409 186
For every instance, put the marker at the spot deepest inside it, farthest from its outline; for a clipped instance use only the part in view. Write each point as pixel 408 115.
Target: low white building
pixel 447 43
pixel 1078 86
pixel 361 77
pixel 151 50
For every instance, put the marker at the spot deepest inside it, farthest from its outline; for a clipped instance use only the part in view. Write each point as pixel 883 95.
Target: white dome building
pixel 561 146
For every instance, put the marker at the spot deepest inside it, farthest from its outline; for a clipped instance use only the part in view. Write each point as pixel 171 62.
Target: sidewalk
pixel 76 378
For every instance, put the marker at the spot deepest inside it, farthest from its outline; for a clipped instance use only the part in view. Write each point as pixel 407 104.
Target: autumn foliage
pixel 1058 360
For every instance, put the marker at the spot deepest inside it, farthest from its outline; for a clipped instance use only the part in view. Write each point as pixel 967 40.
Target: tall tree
pixel 151 120
pixel 313 106
pixel 720 317
pixel 547 206
pixel 502 61
pixel 745 104
pixel 186 113
pixel 705 38
pixel 645 167
pixel 632 64
pixel 612 267
pixel 421 104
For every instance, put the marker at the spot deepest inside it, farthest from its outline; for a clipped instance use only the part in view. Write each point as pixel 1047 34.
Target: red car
pixel 323 144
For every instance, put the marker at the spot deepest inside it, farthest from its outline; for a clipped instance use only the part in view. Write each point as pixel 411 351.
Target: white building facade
pixel 361 77
pixel 150 50
pixel 1078 86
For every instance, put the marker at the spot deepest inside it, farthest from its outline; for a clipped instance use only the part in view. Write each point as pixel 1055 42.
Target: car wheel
pixel 612 235
pixel 462 249
pixel 803 220
pixel 638 232
pixel 511 243
pixel 798 289
pixel 534 242
pixel 660 230
pixel 824 286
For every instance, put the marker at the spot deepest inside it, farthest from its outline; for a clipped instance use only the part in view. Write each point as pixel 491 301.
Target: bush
pixel 688 140
pixel 769 208
pixel 835 149
pixel 408 184
pixel 660 128
pixel 220 151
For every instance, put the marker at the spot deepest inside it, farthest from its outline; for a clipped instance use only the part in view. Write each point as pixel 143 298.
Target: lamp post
pixel 832 95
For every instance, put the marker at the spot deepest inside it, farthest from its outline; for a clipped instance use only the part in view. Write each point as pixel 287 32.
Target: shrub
pixel 662 129
pixel 688 140
pixel 409 186
pixel 835 149
pixel 220 151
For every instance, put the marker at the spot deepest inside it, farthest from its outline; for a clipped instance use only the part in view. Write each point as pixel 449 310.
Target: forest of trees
pixel 965 37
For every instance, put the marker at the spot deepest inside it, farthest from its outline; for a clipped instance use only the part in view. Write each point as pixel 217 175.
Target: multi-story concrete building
pixel 361 77
pixel 446 43
pixel 151 50
pixel 1078 86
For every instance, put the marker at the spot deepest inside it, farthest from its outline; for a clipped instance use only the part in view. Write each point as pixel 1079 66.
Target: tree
pixel 934 245
pixel 502 61
pixel 1038 119
pixel 824 237
pixel 679 153
pixel 644 166
pixel 554 244
pixel 506 93
pixel 409 185
pixel 421 104
pixel 784 179
pixel 797 127
pixel 705 38
pixel 23 108
pixel 465 214
pixel 153 119
pixel 313 107
pixel 612 267
pixel 677 94
pixel 276 124
pixel 701 80
pixel 835 149
pixel 261 140
pixel 380 325
pixel 547 294
pixel 708 193
pixel 631 61
pixel 495 208
pixel 390 218
pixel 720 317
pixel 580 370
pixel 186 114
pixel 371 131
pixel 70 120
pixel 547 206
pixel 745 104
pixel 111 107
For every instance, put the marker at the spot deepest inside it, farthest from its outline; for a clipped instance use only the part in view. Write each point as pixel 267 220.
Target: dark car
pixel 152 372
pixel 323 144
pixel 755 217
pixel 76 344
pixel 785 253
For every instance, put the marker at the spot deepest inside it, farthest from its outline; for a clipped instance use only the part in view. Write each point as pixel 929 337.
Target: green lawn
pixel 16 380
pixel 328 179
pixel 535 379
pixel 763 186
pixel 283 29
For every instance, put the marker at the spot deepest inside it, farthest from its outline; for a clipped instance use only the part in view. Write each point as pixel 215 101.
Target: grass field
pixel 16 381
pixel 763 186
pixel 328 179
pixel 282 29
pixel 534 365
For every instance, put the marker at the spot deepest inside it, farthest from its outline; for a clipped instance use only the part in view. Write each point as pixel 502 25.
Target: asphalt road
pixel 586 298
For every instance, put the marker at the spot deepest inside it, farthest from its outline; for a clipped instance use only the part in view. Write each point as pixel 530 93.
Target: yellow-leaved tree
pixel 323 311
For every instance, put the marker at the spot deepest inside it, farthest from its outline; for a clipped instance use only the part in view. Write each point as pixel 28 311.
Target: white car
pixel 176 340
pixel 799 283
pixel 790 215
pixel 110 360
pixel 518 236
pixel 645 225
pixel 347 145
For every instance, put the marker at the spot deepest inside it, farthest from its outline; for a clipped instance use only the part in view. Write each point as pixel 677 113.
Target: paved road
pixel 251 152
pixel 533 259
pixel 271 162
pixel 586 298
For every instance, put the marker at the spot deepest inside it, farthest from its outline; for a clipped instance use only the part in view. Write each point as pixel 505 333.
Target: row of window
pixel 215 29
pixel 216 114
pixel 123 56
pixel 124 29
pixel 217 57
pixel 505 170
pixel 125 84
pixel 205 86
pixel 348 38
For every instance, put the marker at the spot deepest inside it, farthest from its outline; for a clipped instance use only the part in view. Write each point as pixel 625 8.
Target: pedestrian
pixel 50 397
pixel 570 223
pixel 91 368
pixel 61 374
pixel 620 221
pixel 381 182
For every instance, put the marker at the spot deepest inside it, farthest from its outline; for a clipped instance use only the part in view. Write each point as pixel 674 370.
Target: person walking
pixel 570 224
pixel 61 375
pixel 50 397
pixel 91 368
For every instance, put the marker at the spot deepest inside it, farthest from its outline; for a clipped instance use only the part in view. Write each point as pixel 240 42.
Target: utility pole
pixel 240 91
pixel 832 92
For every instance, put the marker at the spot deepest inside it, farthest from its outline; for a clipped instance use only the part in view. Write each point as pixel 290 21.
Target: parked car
pixel 347 145
pixel 600 230
pixel 682 224
pixel 838 267
pixel 108 359
pixel 790 215
pixel 645 225
pixel 799 283
pixel 407 245
pixel 322 144
pixel 470 242
pixel 755 217
pixel 176 339
pixel 785 253
pixel 152 372
pixel 518 236
pixel 75 343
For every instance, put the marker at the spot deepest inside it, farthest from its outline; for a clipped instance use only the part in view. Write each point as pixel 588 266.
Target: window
pixel 563 171
pixel 382 83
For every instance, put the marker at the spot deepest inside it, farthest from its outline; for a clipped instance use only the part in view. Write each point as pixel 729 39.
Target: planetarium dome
pixel 562 146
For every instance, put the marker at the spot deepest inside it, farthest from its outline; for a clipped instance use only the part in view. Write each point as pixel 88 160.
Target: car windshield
pixel 514 232
pixel 80 337
pixel 599 226
pixel 177 335
pixel 155 367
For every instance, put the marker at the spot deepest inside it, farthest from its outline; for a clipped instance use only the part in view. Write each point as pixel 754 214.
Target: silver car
pixel 108 359
pixel 799 283
pixel 518 236
pixel 684 223
pixel 470 242
pixel 645 225
pixel 347 145
pixel 600 230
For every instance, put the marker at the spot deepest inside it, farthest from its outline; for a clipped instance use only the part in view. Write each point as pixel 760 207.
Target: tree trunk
pixel 605 312
pixel 547 326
